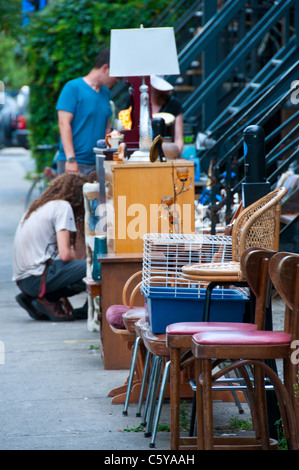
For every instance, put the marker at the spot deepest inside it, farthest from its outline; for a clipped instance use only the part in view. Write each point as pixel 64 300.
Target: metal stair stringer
pixel 241 50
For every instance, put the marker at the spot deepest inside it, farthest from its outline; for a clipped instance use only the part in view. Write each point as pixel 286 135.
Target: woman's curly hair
pixel 66 187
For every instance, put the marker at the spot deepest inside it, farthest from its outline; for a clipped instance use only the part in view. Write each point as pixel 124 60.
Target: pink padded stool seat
pixel 156 344
pixel 191 328
pixel 114 315
pixel 240 339
pixel 131 316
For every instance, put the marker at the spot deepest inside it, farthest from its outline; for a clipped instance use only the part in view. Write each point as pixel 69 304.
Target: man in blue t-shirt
pixel 83 116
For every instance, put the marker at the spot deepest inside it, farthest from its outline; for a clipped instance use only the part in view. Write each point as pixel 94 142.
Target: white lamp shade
pixel 143 52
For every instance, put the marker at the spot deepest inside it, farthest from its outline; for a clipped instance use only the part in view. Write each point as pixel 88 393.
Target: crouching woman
pixel 45 267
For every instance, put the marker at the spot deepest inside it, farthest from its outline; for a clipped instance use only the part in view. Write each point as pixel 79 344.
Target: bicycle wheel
pixel 38 186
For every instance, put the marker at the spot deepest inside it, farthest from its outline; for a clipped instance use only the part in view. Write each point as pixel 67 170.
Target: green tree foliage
pixel 10 17
pixel 12 70
pixel 62 42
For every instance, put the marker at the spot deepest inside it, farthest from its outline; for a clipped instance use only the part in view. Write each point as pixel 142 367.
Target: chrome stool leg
pixel 149 389
pixel 154 395
pixel 143 383
pixel 131 374
pixel 160 403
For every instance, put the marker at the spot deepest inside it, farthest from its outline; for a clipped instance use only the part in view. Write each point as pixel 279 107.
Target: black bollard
pixel 158 127
pixel 255 185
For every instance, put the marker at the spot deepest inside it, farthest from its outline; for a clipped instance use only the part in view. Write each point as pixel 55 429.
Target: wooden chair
pixel 245 348
pixel 284 272
pixel 122 318
pixel 179 338
pixel 256 226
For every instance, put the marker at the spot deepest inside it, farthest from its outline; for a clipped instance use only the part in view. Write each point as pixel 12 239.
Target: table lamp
pixel 143 52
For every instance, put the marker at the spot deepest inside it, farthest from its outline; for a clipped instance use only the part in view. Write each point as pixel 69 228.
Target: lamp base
pixel 140 156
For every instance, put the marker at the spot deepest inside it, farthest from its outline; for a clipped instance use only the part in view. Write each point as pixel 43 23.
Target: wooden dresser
pixel 134 192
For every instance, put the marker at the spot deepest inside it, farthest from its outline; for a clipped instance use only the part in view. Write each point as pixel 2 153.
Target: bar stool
pixel 171 347
pixel 159 353
pixel 156 345
pixel 249 348
pixel 130 318
pixel 158 349
pixel 121 319
pixel 179 338
pixel 140 326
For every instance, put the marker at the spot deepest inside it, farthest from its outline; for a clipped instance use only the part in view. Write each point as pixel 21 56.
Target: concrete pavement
pixel 53 385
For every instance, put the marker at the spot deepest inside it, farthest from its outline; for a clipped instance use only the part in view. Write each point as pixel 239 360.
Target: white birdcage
pixel 164 255
pixel 171 297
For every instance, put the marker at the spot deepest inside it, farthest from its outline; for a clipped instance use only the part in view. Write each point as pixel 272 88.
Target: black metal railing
pixel 258 58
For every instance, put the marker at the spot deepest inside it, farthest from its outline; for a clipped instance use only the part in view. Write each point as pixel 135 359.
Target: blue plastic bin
pixel 173 305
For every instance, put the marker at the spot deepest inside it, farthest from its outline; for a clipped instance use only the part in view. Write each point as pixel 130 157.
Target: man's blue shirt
pixel 91 110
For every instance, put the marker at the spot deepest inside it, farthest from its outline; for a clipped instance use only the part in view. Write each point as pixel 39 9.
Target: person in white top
pixel 45 267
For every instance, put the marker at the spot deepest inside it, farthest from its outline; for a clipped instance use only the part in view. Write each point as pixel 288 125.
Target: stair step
pixel 287 218
pixel 253 85
pixel 193 72
pixel 276 61
pixel 184 88
pixel 233 109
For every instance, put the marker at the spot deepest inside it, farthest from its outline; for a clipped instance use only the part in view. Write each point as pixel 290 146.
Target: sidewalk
pixel 54 387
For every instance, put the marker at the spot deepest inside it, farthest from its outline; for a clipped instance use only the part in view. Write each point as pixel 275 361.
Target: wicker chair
pixel 257 226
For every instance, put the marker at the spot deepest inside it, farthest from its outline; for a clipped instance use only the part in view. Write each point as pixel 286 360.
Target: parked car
pixel 21 131
pixel 8 112
pixel 13 119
